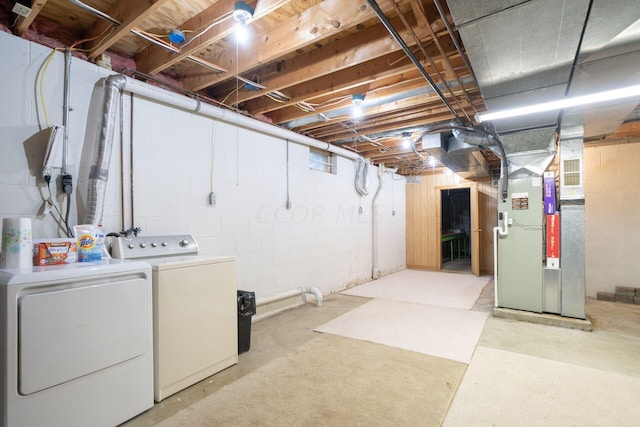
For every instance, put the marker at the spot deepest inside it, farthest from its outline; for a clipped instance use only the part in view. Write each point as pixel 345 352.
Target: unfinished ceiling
pixel 304 60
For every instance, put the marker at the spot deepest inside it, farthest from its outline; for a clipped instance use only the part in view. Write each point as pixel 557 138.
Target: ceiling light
pixel 432 161
pixel 406 141
pixel 608 95
pixel 242 13
pixel 357 104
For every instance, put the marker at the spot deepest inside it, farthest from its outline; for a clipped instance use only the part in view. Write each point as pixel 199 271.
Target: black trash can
pixel 246 309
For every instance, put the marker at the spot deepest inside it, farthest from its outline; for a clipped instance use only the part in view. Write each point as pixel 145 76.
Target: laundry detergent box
pixel 54 251
pixel 90 242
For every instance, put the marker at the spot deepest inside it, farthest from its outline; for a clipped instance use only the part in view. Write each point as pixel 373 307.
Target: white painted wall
pixel 612 219
pixel 322 241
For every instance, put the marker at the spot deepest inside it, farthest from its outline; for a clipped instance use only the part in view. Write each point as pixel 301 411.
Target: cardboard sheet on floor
pixel 444 332
pixel 333 381
pixel 503 388
pixel 425 287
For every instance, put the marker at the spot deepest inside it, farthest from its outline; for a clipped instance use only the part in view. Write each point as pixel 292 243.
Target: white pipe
pixel 289 294
pixel 502 232
pixel 227 116
pixel 374 225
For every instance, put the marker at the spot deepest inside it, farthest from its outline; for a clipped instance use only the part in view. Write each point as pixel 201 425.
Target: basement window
pixel 321 160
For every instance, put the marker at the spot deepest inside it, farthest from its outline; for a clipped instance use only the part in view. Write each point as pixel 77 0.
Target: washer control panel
pixel 153 246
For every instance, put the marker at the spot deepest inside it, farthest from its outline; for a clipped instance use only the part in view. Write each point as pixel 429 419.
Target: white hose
pixel 502 233
pixel 292 293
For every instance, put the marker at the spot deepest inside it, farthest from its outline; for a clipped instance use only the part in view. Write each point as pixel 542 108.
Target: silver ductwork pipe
pixel 362 176
pixel 99 172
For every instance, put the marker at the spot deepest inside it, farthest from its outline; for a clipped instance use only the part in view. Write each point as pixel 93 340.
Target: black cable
pixel 66 218
pixel 60 217
pixel 574 64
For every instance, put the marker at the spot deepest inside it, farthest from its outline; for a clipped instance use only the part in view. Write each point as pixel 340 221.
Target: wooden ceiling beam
pixel 23 22
pixel 367 44
pixel 317 23
pixel 155 59
pixel 420 104
pixel 352 78
pixel 380 88
pixel 129 13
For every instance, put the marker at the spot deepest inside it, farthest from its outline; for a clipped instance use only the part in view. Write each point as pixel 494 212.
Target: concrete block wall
pixel 178 158
pixel 612 219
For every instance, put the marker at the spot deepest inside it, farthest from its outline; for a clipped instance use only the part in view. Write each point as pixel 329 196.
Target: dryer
pixel 77 344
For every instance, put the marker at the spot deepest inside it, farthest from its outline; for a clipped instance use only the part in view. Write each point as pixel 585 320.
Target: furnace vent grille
pixel 572 172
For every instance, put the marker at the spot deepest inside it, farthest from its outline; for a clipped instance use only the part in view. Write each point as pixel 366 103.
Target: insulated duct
pixel 99 172
pixel 116 84
pixel 491 139
pixel 362 176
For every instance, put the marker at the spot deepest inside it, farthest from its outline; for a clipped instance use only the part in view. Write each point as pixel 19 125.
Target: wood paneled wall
pixel 423 220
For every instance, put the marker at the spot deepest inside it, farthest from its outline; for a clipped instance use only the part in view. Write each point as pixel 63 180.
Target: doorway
pixel 458 228
pixel 455 224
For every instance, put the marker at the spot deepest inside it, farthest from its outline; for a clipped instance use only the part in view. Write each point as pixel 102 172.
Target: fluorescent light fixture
pixel 608 95
pixel 432 161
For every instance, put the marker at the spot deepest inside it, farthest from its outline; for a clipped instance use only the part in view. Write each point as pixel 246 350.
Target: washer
pixel 195 324
pixel 77 344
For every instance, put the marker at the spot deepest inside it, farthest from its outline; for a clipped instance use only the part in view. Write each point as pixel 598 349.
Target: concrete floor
pixel 612 346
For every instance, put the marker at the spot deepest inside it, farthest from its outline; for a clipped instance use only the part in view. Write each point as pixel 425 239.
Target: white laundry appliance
pixel 76 344
pixel 195 323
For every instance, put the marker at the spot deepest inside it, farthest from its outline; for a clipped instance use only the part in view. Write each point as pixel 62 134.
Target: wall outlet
pixel 21 10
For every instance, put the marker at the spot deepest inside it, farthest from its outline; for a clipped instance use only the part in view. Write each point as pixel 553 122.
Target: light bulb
pixel 242 33
pixel 357 105
pixel 406 141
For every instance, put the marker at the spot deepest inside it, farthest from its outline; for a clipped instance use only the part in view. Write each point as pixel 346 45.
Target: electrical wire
pixel 60 218
pixel 525 226
pixel 106 33
pixel 41 85
pixel 237 88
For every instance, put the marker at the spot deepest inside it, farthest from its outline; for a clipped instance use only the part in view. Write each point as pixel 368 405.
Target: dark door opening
pixel 455 226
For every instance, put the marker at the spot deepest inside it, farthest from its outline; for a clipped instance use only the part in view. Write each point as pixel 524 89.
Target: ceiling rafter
pixel 23 22
pixel 155 59
pixel 313 25
pixel 130 14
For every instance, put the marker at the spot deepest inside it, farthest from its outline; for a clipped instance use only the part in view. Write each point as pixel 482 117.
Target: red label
pixel 553 236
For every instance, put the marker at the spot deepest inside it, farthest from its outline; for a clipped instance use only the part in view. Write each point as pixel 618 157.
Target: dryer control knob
pixel 164 243
pixel 143 245
pixel 131 246
pixel 154 244
pixel 184 243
